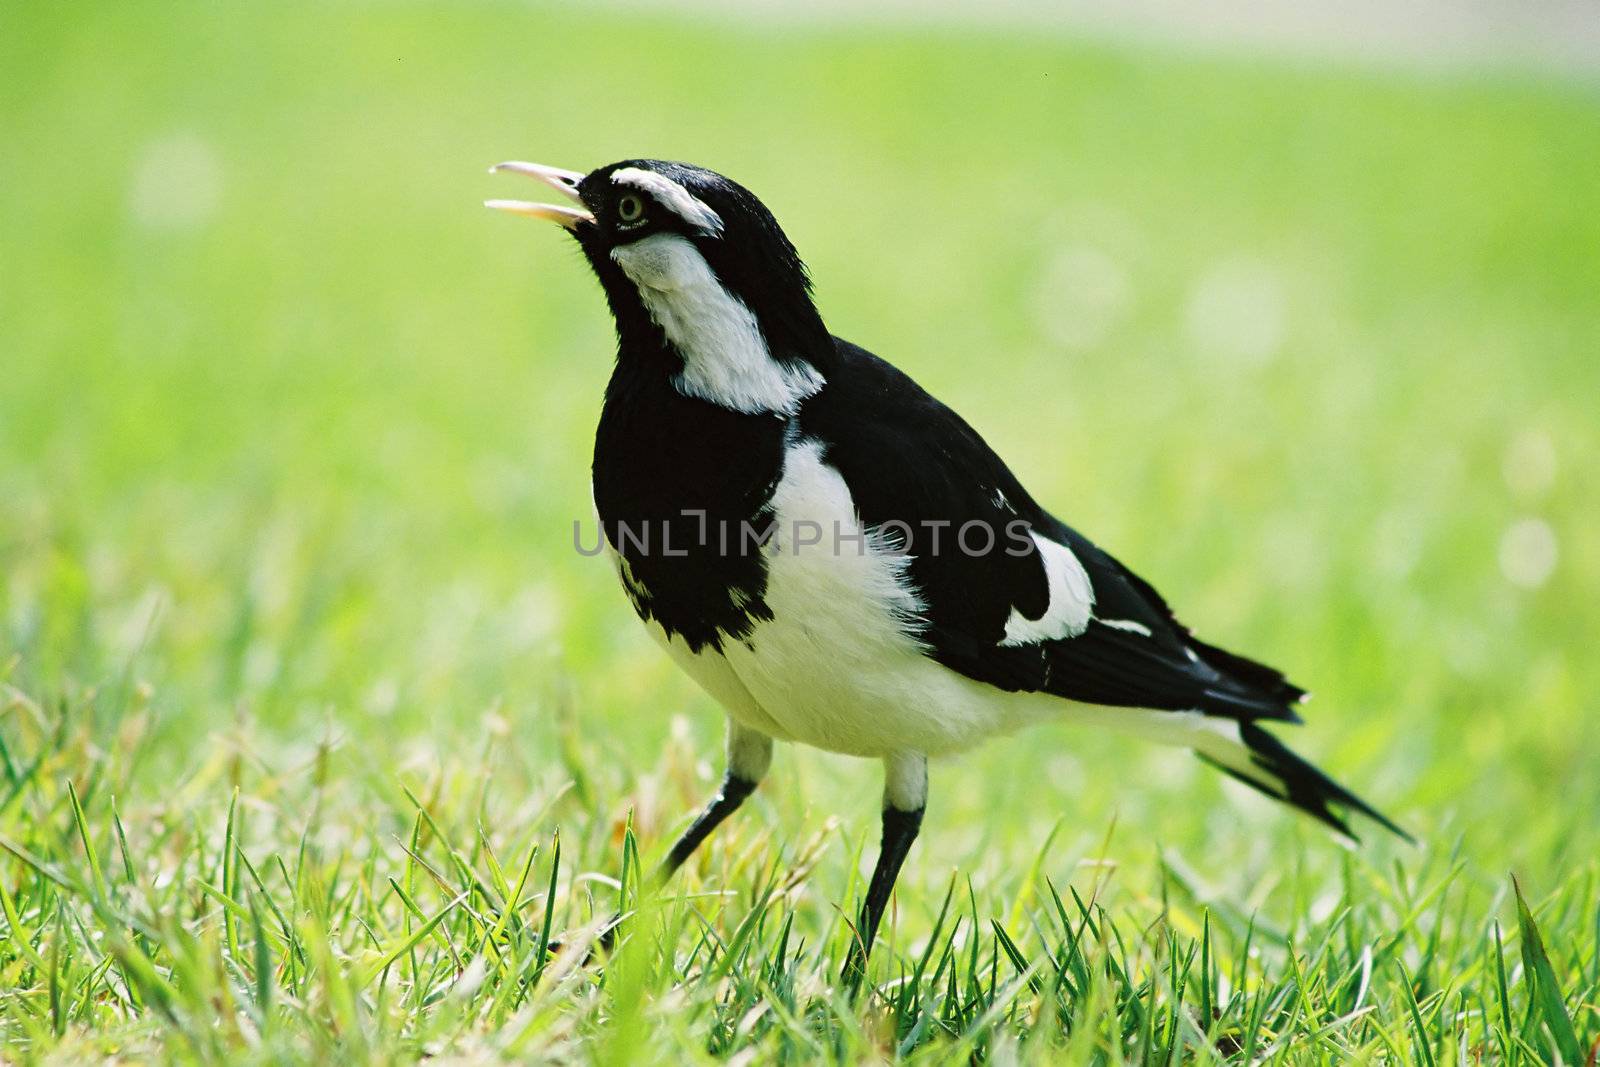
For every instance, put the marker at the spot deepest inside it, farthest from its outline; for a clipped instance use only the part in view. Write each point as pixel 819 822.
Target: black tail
pixel 1266 764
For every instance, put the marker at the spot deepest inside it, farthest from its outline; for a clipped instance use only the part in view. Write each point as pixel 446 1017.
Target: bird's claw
pixel 602 942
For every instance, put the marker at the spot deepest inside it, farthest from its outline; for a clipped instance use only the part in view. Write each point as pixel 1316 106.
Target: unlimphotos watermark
pixel 694 531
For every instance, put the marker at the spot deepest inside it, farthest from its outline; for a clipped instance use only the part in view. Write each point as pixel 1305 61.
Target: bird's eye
pixel 630 208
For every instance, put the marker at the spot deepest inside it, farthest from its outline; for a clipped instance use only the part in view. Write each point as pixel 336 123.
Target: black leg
pixel 749 755
pixel 899 831
pixel 729 797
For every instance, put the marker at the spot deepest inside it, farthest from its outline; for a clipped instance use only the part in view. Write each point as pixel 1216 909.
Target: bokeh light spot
pixel 1236 314
pixel 177 184
pixel 1528 553
pixel 1529 467
pixel 1081 296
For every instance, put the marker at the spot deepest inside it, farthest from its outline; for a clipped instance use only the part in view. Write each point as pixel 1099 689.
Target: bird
pixel 839 559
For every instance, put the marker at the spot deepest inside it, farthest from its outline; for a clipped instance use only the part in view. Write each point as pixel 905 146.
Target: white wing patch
pixel 1070 603
pixel 725 358
pixel 672 196
pixel 1127 625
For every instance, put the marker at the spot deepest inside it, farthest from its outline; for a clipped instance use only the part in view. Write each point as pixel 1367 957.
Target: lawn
pixel 315 729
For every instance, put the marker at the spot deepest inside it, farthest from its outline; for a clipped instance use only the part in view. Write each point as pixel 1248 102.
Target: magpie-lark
pixel 836 557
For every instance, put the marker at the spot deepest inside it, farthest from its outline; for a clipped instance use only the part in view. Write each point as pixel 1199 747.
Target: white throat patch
pixel 725 358
pixel 672 196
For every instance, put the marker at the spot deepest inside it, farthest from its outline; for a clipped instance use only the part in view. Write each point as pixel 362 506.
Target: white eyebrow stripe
pixel 672 196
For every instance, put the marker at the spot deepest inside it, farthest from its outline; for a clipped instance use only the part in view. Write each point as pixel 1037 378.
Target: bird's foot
pixel 854 971
pixel 603 942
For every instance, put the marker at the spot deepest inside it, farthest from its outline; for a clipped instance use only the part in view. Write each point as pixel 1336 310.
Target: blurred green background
pixel 293 433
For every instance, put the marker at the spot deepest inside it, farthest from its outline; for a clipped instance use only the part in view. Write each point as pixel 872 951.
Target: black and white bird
pixel 903 596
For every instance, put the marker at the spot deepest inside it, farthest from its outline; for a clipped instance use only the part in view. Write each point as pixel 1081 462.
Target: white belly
pixel 838 666
pixel 826 691
pixel 835 666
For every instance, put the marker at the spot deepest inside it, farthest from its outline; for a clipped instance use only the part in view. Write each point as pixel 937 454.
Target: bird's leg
pixel 905 797
pixel 749 756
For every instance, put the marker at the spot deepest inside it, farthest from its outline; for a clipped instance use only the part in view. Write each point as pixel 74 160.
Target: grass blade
pixel 1546 990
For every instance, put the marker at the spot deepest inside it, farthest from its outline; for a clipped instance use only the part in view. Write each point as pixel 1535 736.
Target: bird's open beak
pixel 564 182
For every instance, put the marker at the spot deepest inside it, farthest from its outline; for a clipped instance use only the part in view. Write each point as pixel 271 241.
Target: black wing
pixel 924 477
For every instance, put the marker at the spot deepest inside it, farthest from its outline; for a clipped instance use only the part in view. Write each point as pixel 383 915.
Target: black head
pixel 637 222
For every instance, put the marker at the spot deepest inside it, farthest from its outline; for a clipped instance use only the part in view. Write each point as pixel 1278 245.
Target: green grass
pixel 315 728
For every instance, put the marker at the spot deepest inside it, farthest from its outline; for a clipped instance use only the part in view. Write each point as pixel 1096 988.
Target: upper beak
pixel 564 182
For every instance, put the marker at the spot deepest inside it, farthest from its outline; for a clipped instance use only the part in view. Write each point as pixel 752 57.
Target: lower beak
pixel 564 182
